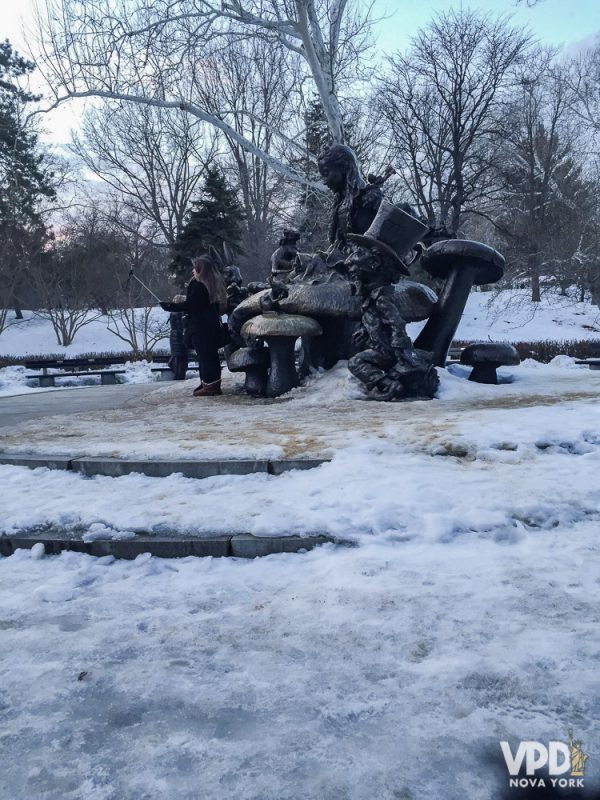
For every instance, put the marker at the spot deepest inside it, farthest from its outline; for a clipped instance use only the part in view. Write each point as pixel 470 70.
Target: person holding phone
pixel 205 301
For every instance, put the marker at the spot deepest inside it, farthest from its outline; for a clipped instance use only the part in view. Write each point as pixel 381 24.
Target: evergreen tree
pixel 25 179
pixel 215 219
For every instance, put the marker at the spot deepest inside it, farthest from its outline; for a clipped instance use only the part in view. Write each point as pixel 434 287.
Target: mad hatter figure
pixel 387 363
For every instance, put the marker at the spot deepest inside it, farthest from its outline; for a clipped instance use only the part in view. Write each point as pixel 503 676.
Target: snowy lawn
pixel 508 315
pixel 33 336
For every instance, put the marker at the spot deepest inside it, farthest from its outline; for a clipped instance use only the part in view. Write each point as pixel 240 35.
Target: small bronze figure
pixel 282 260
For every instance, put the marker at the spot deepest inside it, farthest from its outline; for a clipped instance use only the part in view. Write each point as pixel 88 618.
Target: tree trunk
pixel 593 283
pixel 534 274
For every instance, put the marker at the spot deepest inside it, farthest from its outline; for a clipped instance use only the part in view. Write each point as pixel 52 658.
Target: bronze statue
pixel 355 201
pixel 386 362
pixel 357 293
pixel 355 205
pixel 282 260
pixel 236 291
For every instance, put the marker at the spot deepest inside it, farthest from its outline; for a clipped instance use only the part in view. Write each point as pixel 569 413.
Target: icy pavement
pixel 317 419
pixel 466 614
pixel 41 403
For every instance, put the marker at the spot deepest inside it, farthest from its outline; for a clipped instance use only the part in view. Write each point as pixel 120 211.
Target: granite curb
pixel 117 467
pixel 236 545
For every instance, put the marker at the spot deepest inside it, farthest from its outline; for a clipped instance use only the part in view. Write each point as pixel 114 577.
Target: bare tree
pixel 439 100
pixel 253 85
pixel 60 280
pixel 584 81
pixel 145 50
pixel 94 245
pixel 154 160
pixel 133 318
pixel 138 327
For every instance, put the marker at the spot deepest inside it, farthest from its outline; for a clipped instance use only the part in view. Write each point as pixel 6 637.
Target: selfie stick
pixel 133 275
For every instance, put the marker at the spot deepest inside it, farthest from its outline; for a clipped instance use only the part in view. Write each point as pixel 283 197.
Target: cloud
pixel 574 49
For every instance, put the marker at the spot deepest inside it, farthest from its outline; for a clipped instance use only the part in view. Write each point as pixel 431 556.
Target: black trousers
pixel 206 346
pixel 179 365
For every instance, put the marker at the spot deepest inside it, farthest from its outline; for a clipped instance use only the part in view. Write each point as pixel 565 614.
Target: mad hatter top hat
pixel 393 232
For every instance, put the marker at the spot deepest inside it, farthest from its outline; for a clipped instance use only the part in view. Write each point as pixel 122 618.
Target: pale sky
pixel 558 22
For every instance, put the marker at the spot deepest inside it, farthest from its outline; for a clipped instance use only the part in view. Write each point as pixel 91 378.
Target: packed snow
pixel 457 608
pixel 387 671
pixel 504 445
pixel 319 419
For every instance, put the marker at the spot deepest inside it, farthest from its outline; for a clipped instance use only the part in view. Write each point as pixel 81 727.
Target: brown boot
pixel 197 389
pixel 209 390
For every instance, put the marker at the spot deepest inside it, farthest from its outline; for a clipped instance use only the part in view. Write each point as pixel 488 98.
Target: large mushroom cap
pixel 285 325
pixel 318 300
pixel 326 299
pixel 442 257
pixel 499 353
pixel 246 357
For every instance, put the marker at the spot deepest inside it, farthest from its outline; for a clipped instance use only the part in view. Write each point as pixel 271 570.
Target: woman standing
pixel 205 300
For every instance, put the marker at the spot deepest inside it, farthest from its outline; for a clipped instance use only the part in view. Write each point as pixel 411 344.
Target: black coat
pixel 201 316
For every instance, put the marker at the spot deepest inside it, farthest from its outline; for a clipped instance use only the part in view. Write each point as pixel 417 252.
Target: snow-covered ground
pixel 503 316
pixel 511 316
pixel 33 336
pixel 14 382
pixel 496 460
pixel 465 614
pixel 388 671
pixel 321 418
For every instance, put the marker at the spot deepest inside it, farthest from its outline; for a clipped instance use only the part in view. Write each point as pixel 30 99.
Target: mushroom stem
pixel 282 375
pixel 484 373
pixel 438 333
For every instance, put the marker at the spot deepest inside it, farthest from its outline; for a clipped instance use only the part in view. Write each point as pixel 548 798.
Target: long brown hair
pixel 208 274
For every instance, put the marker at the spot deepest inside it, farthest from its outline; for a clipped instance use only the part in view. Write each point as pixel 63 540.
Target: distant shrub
pixel 547 349
pixel 11 361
